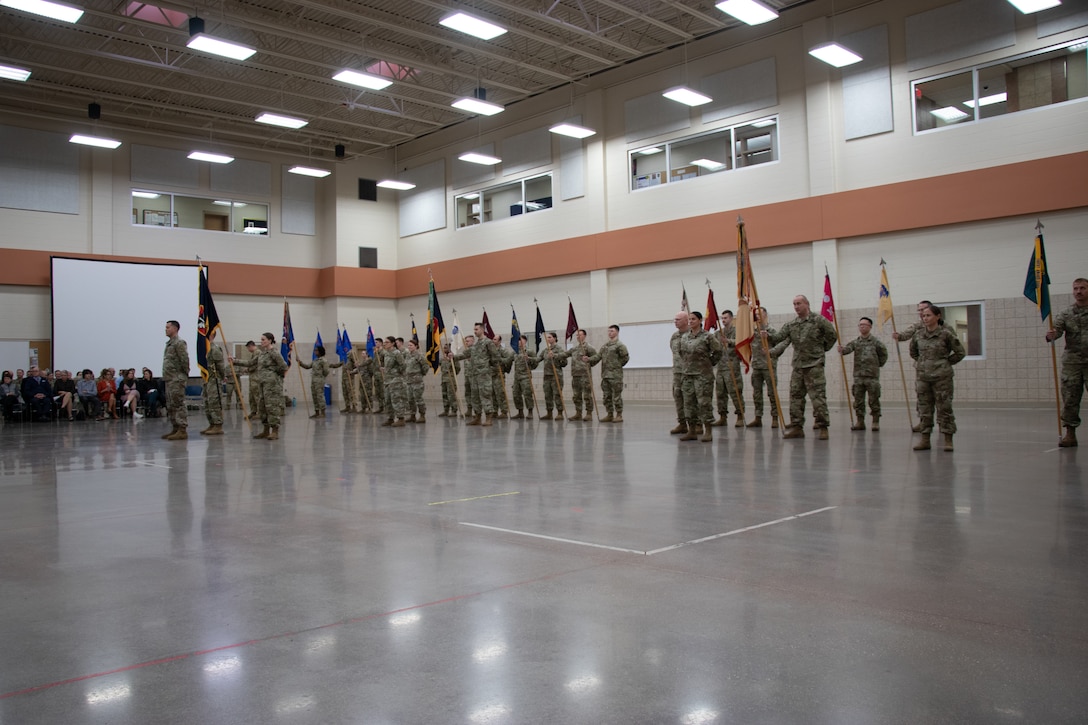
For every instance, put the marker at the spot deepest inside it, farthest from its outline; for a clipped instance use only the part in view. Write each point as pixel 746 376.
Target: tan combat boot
pixel 757 422
pixel 172 431
pixel 774 422
pixel 691 435
pixel 487 420
pixel 681 427
pixel 923 444
pixel 1069 440
pixel 720 421
pixel 421 418
pixel 708 434
pixel 948 442
pixel 475 420
pixel 264 433
pixel 795 431
pixel 860 425
pixel 821 435
pixel 399 423
pixel 618 418
pixel 215 430
pixel 443 414
pixel 274 433
pixel 577 415
pixel 696 427
pixel 607 419
pixel 179 435
pixel 205 431
pixel 547 417
pixel 876 423
pixel 388 423
pixel 740 421
pixel 520 415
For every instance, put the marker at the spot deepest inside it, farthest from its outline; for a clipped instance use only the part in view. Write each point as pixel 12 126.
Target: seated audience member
pixel 10 393
pixel 64 393
pixel 37 395
pixel 148 385
pixel 88 395
pixel 107 392
pixel 129 393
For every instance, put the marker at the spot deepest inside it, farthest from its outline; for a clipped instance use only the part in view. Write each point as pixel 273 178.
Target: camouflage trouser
pixel 271 406
pixel 472 401
pixel 364 391
pixel 612 393
pixel 936 395
pixel 347 391
pixel 415 397
pixel 730 386
pixel 213 401
pixel 1074 382
pixel 810 381
pixel 483 390
pixel 863 386
pixel 379 392
pixel 317 390
pixel 678 395
pixel 581 391
pixel 553 393
pixel 175 404
pixel 498 394
pixel 254 393
pixel 762 379
pixel 699 398
pixel 449 390
pixel 396 395
pixel 523 392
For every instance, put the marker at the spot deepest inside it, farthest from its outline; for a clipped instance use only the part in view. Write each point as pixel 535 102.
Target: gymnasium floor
pixel 542 572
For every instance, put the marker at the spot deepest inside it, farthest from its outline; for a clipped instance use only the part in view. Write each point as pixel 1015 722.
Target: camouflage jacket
pixel 935 353
pixel 870 354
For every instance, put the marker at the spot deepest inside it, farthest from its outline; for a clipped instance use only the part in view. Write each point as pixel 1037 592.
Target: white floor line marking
pixel 554 538
pixel 739 531
pixel 474 498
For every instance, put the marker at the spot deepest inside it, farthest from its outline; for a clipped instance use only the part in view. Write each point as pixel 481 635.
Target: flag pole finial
pixel 1039 225
pixel 882 262
pixel 708 282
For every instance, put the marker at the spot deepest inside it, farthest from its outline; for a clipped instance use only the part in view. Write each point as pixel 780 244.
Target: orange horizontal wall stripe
pixel 1030 187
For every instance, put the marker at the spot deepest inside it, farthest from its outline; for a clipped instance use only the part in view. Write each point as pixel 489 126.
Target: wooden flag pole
pixel 1057 386
pixel 902 373
pixel 234 375
pixel 842 358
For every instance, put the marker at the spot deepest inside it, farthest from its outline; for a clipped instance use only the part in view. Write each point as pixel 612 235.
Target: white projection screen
pixel 113 314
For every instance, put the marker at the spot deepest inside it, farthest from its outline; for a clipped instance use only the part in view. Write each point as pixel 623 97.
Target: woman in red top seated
pixel 107 391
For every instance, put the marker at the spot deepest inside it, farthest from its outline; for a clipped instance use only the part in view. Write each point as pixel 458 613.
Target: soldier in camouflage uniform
pixel 213 388
pixel 348 387
pixel 269 368
pixel 730 382
pixel 811 336
pixel 1073 323
pixel 700 351
pixel 254 386
pixel 763 374
pixel 175 373
pixel 581 381
pixel 416 366
pixel 554 359
pixel 681 322
pixel 905 335
pixel 523 364
pixel 396 391
pixel 870 354
pixel 449 370
pixel 935 350
pixel 484 358
pixel 472 399
pixel 506 361
pixel 613 356
pixel 320 367
pixel 369 377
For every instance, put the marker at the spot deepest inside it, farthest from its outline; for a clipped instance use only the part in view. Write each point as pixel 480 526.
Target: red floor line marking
pixel 272 637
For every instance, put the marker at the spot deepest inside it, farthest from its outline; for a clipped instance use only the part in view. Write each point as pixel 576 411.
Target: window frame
pixel 476 203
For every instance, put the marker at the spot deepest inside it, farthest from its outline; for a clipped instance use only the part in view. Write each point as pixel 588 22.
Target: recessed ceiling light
pixel 475 105
pixel 56 11
pixel 213 158
pixel 309 171
pixel 146 194
pixel 105 143
pixel 764 123
pixel 274 119
pixel 651 152
pixel 230 203
pixel 573 130
pixel 474 158
pixel 1033 6
pixel 751 12
pixel 472 26
pixel 834 54
pixel 12 73
pixel 949 114
pixel 363 80
pixel 682 94
pixel 473 195
pixel 988 100
pixel 708 164
pixel 398 185
pixel 215 46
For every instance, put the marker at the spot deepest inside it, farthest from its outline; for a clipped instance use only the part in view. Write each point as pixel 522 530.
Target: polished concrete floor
pixel 542 572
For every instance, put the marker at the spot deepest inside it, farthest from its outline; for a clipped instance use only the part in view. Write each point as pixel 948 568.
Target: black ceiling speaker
pixel 94 111
pixel 340 150
pixel 196 25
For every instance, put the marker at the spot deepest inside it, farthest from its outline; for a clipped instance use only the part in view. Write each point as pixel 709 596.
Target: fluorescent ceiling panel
pixel 274 119
pixel 688 97
pixel 105 143
pixel 12 73
pixel 398 185
pixel 572 130
pixel 1033 6
pixel 363 80
pixel 210 157
pixel 309 171
pixel 475 158
pixel 834 54
pixel 708 164
pixel 475 105
pixel 215 46
pixel 56 11
pixel 988 100
pixel 750 12
pixel 949 114
pixel 473 26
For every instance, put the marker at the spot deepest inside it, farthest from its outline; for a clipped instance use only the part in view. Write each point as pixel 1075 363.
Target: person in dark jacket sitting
pixel 38 395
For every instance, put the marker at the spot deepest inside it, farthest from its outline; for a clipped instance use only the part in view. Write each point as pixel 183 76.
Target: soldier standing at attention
pixel 811 336
pixel 612 356
pixel 498 377
pixel 681 322
pixel 904 336
pixel 581 382
pixel 213 388
pixel 472 400
pixel 700 351
pixel 1073 323
pixel 396 391
pixel 175 373
pixel 870 354
pixel 523 365
pixel 269 368
pixel 254 386
pixel 554 359
pixel 484 359
pixel 347 383
pixel 415 363
pixel 320 367
pixel 935 350
pixel 730 383
pixel 763 374
pixel 448 371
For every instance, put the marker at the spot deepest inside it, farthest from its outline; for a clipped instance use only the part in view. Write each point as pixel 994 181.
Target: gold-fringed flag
pixel 747 300
pixel 710 319
pixel 884 305
pixel 435 329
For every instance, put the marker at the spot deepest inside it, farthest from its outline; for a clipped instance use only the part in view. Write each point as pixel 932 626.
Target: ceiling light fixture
pixel 199 40
pixel 474 158
pixel 750 12
pixel 949 114
pixel 12 73
pixel 56 11
pixel 471 25
pixel 398 185
pixel 274 119
pixel 309 171
pixel 988 100
pixel 685 95
pixel 210 157
pixel 99 141
pixel 572 130
pixel 146 195
pixel 1027 7
pixel 363 80
pixel 229 203
pixel 835 54
pixel 478 106
pixel 651 152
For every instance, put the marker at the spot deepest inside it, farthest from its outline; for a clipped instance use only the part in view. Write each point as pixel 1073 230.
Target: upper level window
pixel 711 153
pixel 163 209
pixel 1015 84
pixel 504 201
